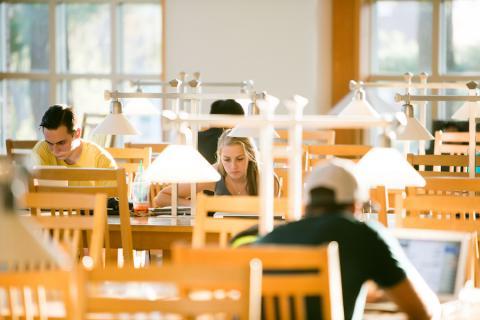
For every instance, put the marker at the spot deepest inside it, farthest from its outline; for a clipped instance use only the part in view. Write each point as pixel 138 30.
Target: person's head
pixel 228 106
pixel 333 187
pixel 237 158
pixel 59 126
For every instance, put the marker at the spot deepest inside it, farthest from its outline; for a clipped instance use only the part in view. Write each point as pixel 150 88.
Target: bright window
pixel 439 37
pixel 70 51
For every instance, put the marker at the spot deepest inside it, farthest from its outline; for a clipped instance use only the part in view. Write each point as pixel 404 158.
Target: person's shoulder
pixel 41 154
pixel 285 233
pixel 40 146
pixel 103 158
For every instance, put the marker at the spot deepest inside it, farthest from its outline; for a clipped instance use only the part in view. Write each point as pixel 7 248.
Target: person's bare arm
pixel 164 197
pixel 415 298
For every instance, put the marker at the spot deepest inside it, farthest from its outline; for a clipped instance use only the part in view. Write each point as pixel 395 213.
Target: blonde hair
pixel 250 152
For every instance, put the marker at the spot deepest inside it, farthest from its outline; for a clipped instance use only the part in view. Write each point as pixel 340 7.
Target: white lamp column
pixel 422 109
pixel 267 108
pixel 295 107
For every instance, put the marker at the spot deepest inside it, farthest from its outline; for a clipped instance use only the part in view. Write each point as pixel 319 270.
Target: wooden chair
pixel 156 147
pixel 453 142
pixel 290 288
pixel 444 213
pixel 46 294
pixel 448 186
pixel 318 153
pixel 232 292
pixel 227 227
pixel 379 197
pixel 310 137
pixel 110 182
pixel 66 223
pixel 443 207
pixel 282 175
pixel 129 159
pixel 19 149
pixel 429 165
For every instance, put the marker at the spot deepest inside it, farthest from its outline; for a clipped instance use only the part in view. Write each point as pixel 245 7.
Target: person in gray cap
pixel 367 251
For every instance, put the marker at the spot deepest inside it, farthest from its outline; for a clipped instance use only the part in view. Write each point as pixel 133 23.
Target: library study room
pixel 239 159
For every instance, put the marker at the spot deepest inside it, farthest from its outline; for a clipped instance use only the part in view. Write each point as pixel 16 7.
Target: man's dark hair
pixel 228 106
pixel 322 201
pixel 58 115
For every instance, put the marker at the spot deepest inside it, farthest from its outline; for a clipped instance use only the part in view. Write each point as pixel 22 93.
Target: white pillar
pixel 266 191
pixel 295 107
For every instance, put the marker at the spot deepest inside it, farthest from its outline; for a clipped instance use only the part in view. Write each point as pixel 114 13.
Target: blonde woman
pixel 238 167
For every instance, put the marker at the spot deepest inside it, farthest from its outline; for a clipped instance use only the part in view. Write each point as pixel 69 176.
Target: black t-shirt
pixel 367 252
pixel 207 143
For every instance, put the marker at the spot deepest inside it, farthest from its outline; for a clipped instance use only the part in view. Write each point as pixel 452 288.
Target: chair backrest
pixel 225 228
pixel 156 147
pixel 453 142
pixel 453 186
pixel 430 165
pixel 19 149
pixel 129 159
pixel 318 153
pixel 307 271
pixel 180 294
pixel 67 221
pixel 282 176
pixel 89 122
pixel 443 207
pixel 309 137
pixel 110 182
pixel 39 295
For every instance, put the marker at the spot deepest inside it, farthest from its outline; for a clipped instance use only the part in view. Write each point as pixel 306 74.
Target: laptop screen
pixel 439 256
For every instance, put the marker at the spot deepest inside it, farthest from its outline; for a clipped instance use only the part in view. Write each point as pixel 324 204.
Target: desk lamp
pixel 358 106
pixel 115 122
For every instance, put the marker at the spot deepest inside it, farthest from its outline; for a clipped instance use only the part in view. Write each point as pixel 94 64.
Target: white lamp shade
pixel 181 164
pixel 359 107
pixel 372 95
pixel 414 131
pixel 463 113
pixel 248 132
pixel 115 124
pixel 387 167
pixel 140 106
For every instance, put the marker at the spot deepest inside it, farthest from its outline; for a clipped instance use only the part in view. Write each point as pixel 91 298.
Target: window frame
pixel 55 78
pixel 438 72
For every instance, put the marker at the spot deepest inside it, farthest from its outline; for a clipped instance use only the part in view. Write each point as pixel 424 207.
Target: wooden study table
pixel 155 233
pixel 158 232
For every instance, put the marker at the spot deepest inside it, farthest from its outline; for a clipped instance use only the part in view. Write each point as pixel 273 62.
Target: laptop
pixel 439 256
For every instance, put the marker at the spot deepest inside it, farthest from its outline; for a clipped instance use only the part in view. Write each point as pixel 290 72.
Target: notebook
pixel 181 211
pixel 439 256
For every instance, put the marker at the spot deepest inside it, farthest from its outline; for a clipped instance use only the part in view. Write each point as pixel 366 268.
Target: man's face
pixel 60 142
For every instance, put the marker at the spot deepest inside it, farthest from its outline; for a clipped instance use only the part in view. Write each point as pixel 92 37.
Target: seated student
pixel 208 139
pixel 64 147
pixel 367 251
pixel 237 165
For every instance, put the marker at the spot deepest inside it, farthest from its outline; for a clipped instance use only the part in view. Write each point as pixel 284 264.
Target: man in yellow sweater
pixel 64 147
